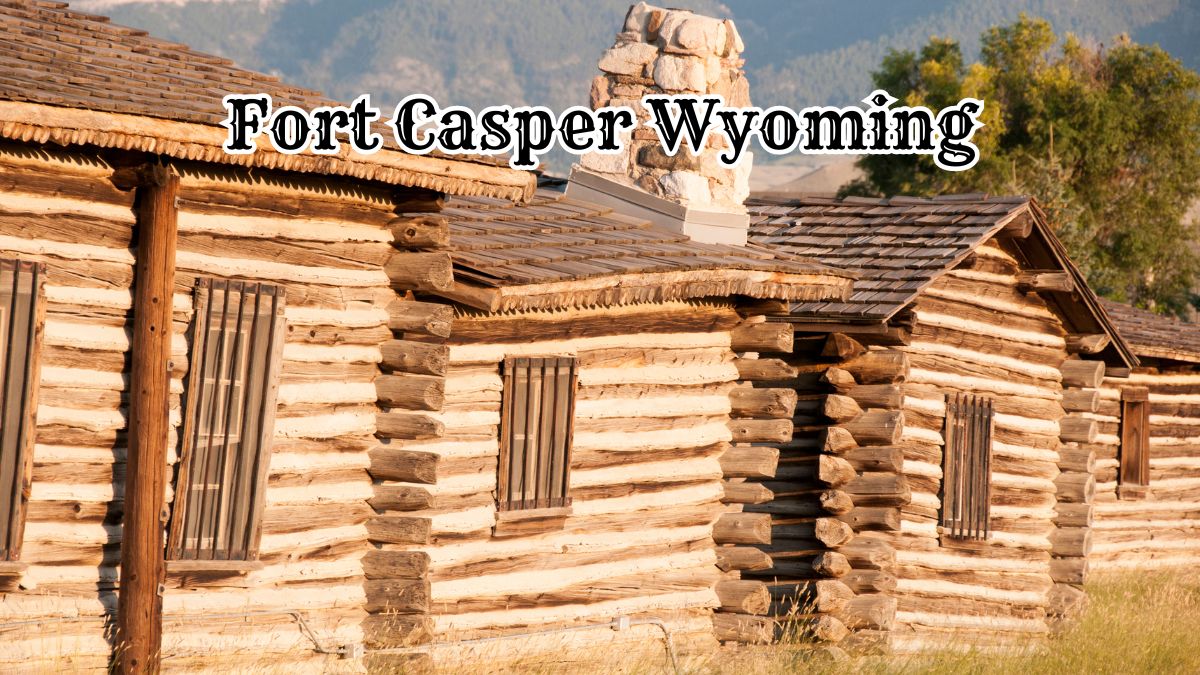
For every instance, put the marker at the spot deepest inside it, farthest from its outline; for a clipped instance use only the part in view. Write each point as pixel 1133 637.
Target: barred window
pixel 966 468
pixel 21 321
pixel 1135 438
pixel 535 432
pixel 233 379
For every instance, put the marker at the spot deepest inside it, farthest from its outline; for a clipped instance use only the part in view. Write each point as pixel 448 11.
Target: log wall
pixel 326 245
pixel 1161 527
pixel 652 422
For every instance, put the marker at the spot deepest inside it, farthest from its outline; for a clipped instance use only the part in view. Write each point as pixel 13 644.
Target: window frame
pixel 516 372
pixel 968 433
pixel 1133 458
pixel 27 280
pixel 212 318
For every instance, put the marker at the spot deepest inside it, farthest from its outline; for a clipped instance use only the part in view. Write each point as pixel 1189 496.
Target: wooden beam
pixel 420 271
pixel 743 597
pixel 841 347
pixel 763 403
pixel 139 604
pixel 1045 281
pixel 1019 227
pixel 408 356
pixel 1093 343
pixel 743 558
pixel 746 493
pixel 762 337
pixel 426 318
pixel 761 431
pixel 750 462
pixel 764 369
pixel 423 231
pixel 1079 373
pixel 743 528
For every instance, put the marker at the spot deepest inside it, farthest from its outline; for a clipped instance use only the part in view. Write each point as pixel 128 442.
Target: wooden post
pixel 139 605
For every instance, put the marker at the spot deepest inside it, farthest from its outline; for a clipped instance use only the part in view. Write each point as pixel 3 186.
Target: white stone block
pixel 628 58
pixel 680 73
pixel 686 187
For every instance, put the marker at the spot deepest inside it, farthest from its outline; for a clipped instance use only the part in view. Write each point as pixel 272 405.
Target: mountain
pixel 805 52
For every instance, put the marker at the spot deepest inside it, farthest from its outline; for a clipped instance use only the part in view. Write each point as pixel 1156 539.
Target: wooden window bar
pixel 535 434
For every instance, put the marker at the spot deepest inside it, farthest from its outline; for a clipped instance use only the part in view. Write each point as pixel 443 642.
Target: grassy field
pixel 1136 623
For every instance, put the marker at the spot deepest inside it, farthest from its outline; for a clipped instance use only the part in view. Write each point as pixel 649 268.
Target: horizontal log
pixel 381 564
pixel 421 231
pixel 408 426
pixel 837 440
pixel 743 558
pixel 842 347
pixel 399 529
pixel 1081 400
pixel 1068 514
pixel 1087 343
pixel 1069 570
pixel 885 396
pixel 764 337
pixel 746 493
pixel 825 596
pixel 1075 487
pixel 424 318
pixel 836 502
pixel 830 532
pixel 743 596
pixel 879 367
pixel 742 528
pixel 869 581
pixel 831 564
pixel 841 380
pixel 388 630
pixel 876 427
pixel 407 356
pixel 1019 227
pixel 420 271
pixel 840 408
pixel 874 611
pixel 744 628
pixel 873 518
pixel 775 403
pixel 764 370
pixel 1076 458
pixel 411 392
pixel 1082 374
pixel 1074 429
pixel 749 462
pixel 399 596
pixel 761 431
pixel 869 553
pixel 828 470
pixel 1043 281
pixel 1066 542
pixel 875 458
pixel 409 466
pixel 1065 600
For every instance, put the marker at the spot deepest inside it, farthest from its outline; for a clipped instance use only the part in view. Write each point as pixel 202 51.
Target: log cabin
pixel 1146 456
pixel 944 413
pixel 327 413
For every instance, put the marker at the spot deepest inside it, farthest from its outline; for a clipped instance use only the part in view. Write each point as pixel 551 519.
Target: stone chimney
pixel 670 51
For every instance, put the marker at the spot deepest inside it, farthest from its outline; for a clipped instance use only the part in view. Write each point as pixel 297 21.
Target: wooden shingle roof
pixel 1156 336
pixel 898 246
pixel 556 252
pixel 74 78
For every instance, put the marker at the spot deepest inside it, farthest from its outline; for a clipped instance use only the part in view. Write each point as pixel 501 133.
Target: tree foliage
pixel 1107 139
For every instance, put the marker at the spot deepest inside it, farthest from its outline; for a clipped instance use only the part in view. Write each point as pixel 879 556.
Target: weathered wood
pixel 1044 281
pixel 842 347
pixel 407 356
pixel 831 532
pixel 764 370
pixel 381 564
pixel 409 466
pixel 1064 600
pixel 761 431
pixel 886 396
pixel 1093 343
pixel 872 611
pixel 879 367
pixel 750 462
pixel 1081 400
pixel 399 529
pixel 1075 487
pixel 875 458
pixel 869 553
pixel 878 518
pixel 420 271
pixel 1020 227
pixel 835 502
pixel 841 380
pixel 765 337
pixel 423 318
pixel 743 628
pixel 387 630
pixel 1084 374
pixel 743 596
pixel 1067 514
pixel 763 403
pixel 825 596
pixel 408 426
pixel 876 427
pixel 744 558
pixel 742 528
pixel 827 469
pixel 1071 542
pixel 139 609
pixel 869 581
pixel 840 408
pixel 1075 429
pixel 411 392
pixel 879 489
pixel 1069 570
pixel 831 564
pixel 1073 457
pixel 423 231
pixel 746 493
pixel 399 596
pixel 837 440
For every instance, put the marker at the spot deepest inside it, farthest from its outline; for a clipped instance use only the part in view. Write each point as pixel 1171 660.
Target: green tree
pixel 1108 140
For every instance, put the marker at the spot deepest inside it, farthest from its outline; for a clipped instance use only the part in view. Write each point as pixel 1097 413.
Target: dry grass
pixel 1136 623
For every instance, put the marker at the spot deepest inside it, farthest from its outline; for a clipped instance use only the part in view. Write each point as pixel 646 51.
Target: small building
pixel 933 489
pixel 1146 455
pixel 321 413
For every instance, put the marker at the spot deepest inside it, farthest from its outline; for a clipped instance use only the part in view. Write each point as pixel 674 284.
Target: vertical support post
pixel 139 605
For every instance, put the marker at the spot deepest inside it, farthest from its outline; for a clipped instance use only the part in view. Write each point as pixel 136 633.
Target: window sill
pixel 530 521
pixel 213 566
pixel 12 568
